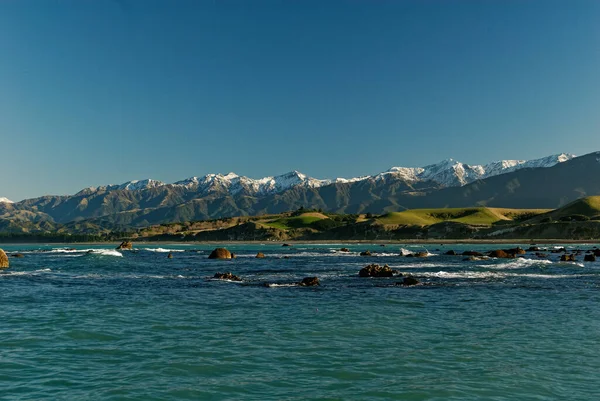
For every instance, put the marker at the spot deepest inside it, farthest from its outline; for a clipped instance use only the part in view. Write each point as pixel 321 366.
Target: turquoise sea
pixel 134 325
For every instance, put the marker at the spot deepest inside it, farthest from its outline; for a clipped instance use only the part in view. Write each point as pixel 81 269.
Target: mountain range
pixel 549 182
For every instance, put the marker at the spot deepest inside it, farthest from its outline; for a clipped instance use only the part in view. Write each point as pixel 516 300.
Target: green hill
pixel 472 216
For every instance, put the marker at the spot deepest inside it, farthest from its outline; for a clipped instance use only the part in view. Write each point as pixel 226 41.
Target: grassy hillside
pixel 304 220
pixel 472 216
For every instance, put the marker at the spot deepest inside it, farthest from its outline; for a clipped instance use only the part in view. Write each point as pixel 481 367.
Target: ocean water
pixel 97 324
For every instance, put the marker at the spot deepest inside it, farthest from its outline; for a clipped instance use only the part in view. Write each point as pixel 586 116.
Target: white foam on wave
pixel 518 263
pixel 162 250
pixel 26 273
pixel 494 274
pixel 105 252
pixel 280 285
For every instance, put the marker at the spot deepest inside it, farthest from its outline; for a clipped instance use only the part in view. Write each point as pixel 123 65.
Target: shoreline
pixel 441 242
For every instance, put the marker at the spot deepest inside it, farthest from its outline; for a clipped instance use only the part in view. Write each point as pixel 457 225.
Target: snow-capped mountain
pixel 447 173
pixel 452 173
pixel 5 200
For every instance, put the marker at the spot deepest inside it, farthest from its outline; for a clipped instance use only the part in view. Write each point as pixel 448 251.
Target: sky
pixel 96 92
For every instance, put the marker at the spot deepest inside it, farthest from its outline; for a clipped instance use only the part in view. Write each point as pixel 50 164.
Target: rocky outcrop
pixel 309 282
pixel 220 253
pixel 589 258
pixel 344 250
pixel 366 253
pixel 260 255
pixel 3 260
pixel 515 251
pixel 376 271
pixel 408 281
pixel 125 245
pixel 227 276
pixel 500 253
pixel 450 253
pixel 568 258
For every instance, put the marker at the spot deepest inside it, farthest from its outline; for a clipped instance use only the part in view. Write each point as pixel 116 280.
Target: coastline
pixel 441 242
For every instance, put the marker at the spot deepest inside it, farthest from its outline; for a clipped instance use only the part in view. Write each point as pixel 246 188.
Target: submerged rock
pixel 260 255
pixel 344 250
pixel 286 245
pixel 376 271
pixel 366 253
pixel 170 256
pixel 309 281
pixel 472 253
pixel 220 253
pixel 125 245
pixel 499 253
pixel 451 253
pixel 227 276
pixel 408 281
pixel 17 255
pixel 568 258
pixel 589 258
pixel 3 260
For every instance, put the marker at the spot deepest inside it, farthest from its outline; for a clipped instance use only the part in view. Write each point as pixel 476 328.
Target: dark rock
pixel 451 253
pixel 597 252
pixel 125 245
pixel 374 270
pixel 515 251
pixel 260 255
pixel 421 254
pixel 472 253
pixel 382 245
pixel 3 260
pixel 227 276
pixel 309 281
pixel 559 250
pixel 533 249
pixel 344 250
pixel 589 258
pixel 17 255
pixel 407 281
pixel 365 253
pixel 286 257
pixel 499 253
pixel 170 256
pixel 220 253
pixel 567 258
pixel 541 255
pixel 286 245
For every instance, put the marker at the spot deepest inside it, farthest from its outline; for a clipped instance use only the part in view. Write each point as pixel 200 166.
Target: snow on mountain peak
pixel 447 173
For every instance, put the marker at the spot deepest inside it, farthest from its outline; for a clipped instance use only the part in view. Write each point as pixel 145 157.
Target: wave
pixel 104 252
pixel 24 273
pixel 518 263
pixel 162 250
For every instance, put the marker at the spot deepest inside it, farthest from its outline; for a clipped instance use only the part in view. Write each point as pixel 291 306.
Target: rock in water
pixel 365 253
pixel 260 255
pixel 407 281
pixel 170 256
pixel 127 245
pixel 344 250
pixel 227 276
pixel 451 253
pixel 3 260
pixel 17 255
pixel 220 253
pixel 589 258
pixel 568 258
pixel 499 253
pixel 376 271
pixel 309 281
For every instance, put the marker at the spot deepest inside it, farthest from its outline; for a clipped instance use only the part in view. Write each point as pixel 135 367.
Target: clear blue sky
pixel 105 91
